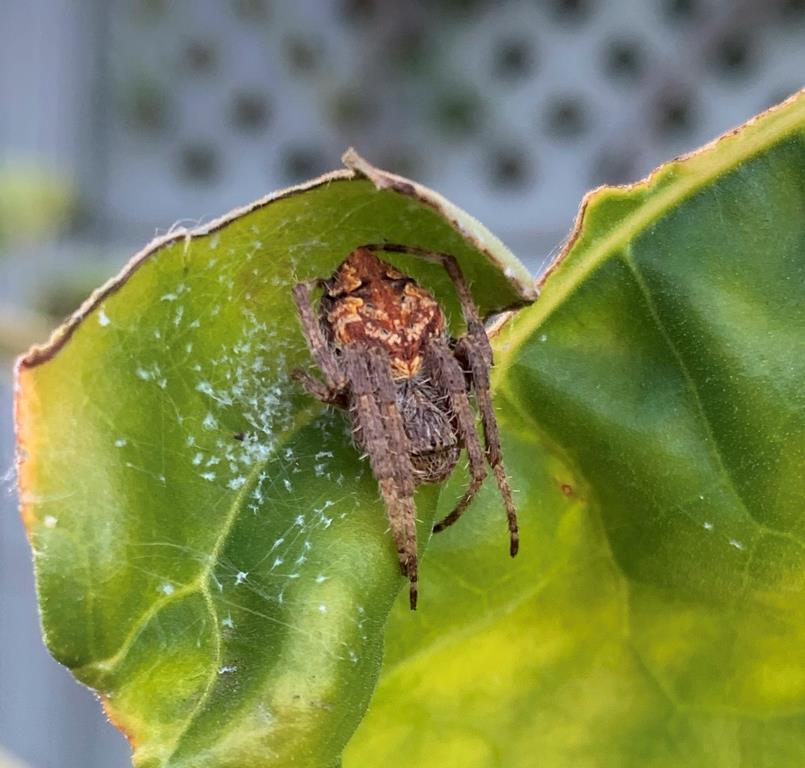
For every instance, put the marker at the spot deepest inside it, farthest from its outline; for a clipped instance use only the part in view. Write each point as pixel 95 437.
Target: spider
pixel 381 343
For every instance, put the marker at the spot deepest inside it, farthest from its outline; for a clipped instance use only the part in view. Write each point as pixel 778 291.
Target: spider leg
pixel 467 350
pixel 451 380
pixel 321 351
pixel 318 389
pixel 383 437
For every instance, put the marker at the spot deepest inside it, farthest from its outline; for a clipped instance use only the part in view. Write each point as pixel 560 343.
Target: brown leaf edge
pixel 677 165
pixel 356 167
pixel 663 170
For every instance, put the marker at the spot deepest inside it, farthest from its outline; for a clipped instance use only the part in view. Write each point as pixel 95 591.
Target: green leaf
pixel 211 555
pixel 653 415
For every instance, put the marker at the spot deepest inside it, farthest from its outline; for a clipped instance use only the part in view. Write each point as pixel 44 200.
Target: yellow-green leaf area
pixel 653 416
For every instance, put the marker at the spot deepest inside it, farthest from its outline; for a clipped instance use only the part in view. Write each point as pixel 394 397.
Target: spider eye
pixel 399 283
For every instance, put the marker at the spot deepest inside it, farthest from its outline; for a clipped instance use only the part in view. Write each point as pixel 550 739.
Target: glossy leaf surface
pixel 210 552
pixel 653 410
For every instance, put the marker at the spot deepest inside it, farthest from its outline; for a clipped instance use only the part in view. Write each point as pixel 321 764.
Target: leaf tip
pixel 381 179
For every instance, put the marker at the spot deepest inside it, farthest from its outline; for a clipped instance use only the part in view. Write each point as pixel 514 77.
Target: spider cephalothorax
pixel 381 343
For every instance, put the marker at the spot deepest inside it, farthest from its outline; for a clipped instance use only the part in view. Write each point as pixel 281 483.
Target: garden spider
pixel 381 343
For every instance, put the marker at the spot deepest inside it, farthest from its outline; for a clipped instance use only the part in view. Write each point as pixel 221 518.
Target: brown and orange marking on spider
pixel 369 302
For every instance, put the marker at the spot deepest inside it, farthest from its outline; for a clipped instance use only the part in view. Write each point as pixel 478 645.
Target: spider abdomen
pixel 428 423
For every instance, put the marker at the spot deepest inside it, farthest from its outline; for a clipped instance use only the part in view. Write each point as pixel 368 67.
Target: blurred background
pixel 122 118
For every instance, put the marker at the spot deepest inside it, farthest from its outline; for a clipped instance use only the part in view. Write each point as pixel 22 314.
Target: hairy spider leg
pixel 383 436
pixel 470 348
pixel 451 380
pixel 480 380
pixel 325 358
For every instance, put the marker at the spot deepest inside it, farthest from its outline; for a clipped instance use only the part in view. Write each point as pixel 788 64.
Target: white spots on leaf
pixel 236 483
pixel 299 521
pixel 288 485
pixel 198 458
pixel 209 476
pixel 228 622
pixel 103 318
pixel 167 588
pixel 50 521
pixel 210 422
pixel 152 373
pixel 240 577
pixel 543 337
pixel 707 525
pixel 277 562
pixel 322 608
pixel 321 578
pixel 169 297
pixel 264 714
pixel 353 657
pixel 227 669
pixel 121 442
pixel 737 544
